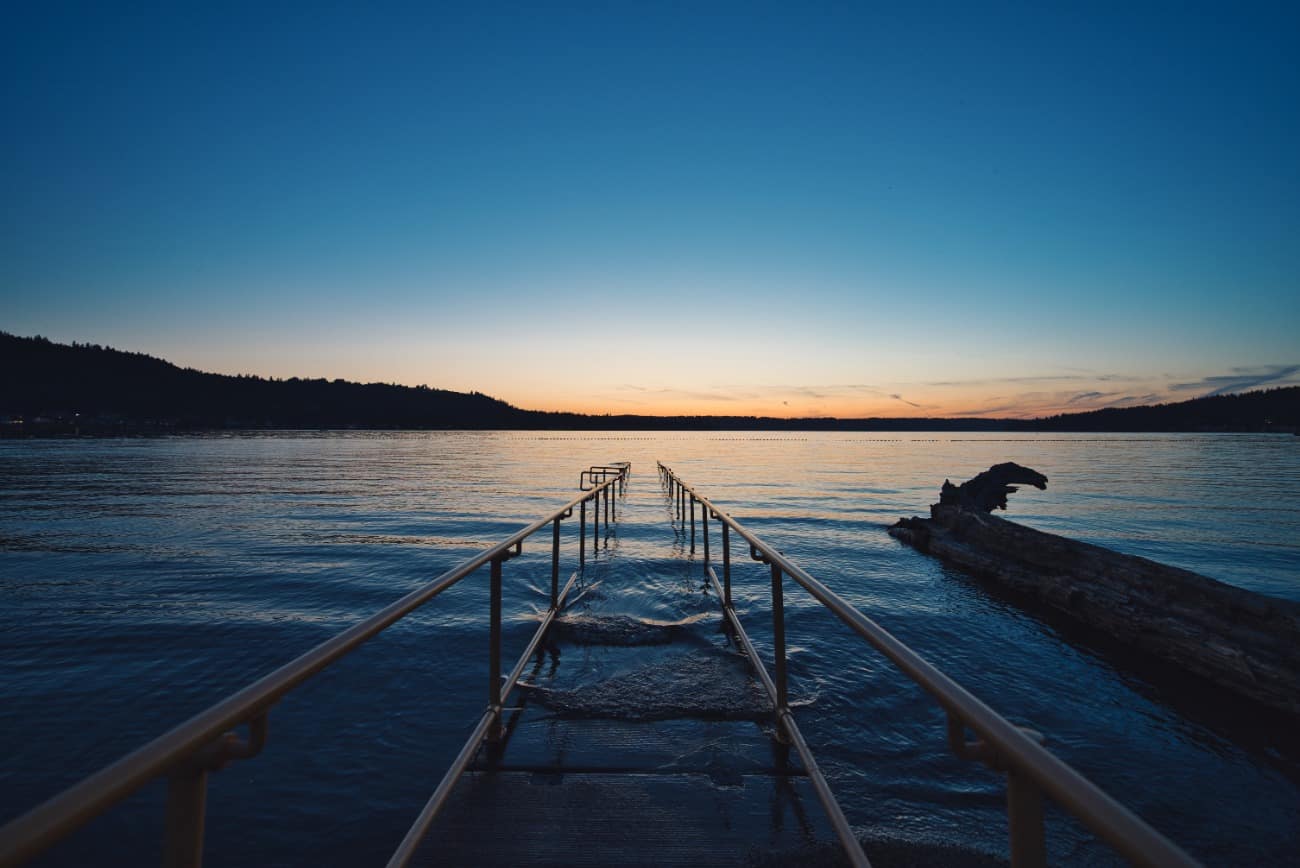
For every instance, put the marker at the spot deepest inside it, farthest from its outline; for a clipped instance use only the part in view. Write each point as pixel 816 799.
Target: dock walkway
pixel 634 740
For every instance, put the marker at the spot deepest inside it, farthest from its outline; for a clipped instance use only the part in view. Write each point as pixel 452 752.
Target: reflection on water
pixel 144 579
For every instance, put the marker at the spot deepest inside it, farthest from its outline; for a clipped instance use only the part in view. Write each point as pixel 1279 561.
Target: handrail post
pixel 555 562
pixel 1025 819
pixel 187 796
pixel 582 533
pixel 692 523
pixel 778 647
pixel 595 525
pixel 494 649
pixel 726 564
pixel 704 518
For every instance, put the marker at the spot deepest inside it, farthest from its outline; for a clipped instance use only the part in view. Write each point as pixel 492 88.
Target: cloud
pixel 905 401
pixel 1135 400
pixel 990 410
pixel 1026 405
pixel 689 394
pixel 1043 378
pixel 805 390
pixel 696 395
pixel 1240 380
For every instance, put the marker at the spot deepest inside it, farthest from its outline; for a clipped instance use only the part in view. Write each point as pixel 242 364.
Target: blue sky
pixel 787 209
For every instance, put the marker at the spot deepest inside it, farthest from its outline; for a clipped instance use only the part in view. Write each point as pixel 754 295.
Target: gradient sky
pixel 793 209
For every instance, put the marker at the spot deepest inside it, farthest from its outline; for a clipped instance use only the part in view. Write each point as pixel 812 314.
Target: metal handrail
pixel 489 726
pixel 1031 769
pixel 207 740
pixel 604 471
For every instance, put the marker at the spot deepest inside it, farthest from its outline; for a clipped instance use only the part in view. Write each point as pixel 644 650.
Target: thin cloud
pixel 1134 400
pixel 806 390
pixel 690 394
pixel 696 396
pixel 905 401
pixel 1241 380
pixel 997 409
pixel 1028 405
pixel 1042 378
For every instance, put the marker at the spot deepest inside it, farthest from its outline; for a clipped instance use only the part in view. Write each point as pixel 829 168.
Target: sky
pixel 780 209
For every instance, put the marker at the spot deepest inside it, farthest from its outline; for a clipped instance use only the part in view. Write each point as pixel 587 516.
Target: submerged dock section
pixel 619 736
pixel 1032 771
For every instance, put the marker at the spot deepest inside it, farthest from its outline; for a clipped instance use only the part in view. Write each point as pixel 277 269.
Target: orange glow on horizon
pixel 615 389
pixel 961 405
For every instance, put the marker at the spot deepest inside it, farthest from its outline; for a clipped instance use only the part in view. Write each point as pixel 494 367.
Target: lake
pixel 143 579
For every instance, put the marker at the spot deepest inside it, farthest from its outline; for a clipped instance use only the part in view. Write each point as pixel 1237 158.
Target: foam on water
pixel 708 685
pixel 625 630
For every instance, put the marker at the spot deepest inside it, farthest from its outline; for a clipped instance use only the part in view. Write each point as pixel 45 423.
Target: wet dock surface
pixel 633 741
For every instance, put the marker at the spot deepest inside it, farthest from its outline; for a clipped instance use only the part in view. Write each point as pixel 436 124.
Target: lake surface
pixel 143 579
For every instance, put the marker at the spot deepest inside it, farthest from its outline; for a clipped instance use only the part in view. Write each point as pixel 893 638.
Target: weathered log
pixel 1239 639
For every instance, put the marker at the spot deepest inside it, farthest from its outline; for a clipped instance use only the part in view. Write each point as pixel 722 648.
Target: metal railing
pixel 208 741
pixel 1031 770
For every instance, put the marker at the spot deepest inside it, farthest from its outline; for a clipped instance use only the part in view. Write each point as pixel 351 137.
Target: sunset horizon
pixel 1019 397
pixel 1035 400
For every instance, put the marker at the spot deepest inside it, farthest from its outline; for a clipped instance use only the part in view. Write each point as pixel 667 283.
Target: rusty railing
pixel 208 741
pixel 1031 770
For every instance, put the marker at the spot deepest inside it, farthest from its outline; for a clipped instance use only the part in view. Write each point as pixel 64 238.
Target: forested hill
pixel 109 389
pixel 51 388
pixel 1264 410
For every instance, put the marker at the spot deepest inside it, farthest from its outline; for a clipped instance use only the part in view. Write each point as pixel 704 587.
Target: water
pixel 141 580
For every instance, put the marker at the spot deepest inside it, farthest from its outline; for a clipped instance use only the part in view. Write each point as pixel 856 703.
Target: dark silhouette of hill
pixel 1263 410
pixel 84 388
pixel 113 389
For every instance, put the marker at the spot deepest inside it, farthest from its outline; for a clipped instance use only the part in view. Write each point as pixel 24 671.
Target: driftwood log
pixel 1241 640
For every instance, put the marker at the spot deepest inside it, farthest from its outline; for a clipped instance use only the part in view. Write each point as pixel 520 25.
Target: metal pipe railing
pixel 1032 771
pixel 189 752
pixel 787 731
pixel 485 730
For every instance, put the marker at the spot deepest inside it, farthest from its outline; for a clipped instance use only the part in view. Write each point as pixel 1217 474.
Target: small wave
pixel 368 539
pixel 591 590
pixel 624 630
pixel 712 686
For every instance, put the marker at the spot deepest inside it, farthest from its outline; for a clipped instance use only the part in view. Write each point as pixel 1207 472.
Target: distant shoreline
pixel 49 389
pixel 68 432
